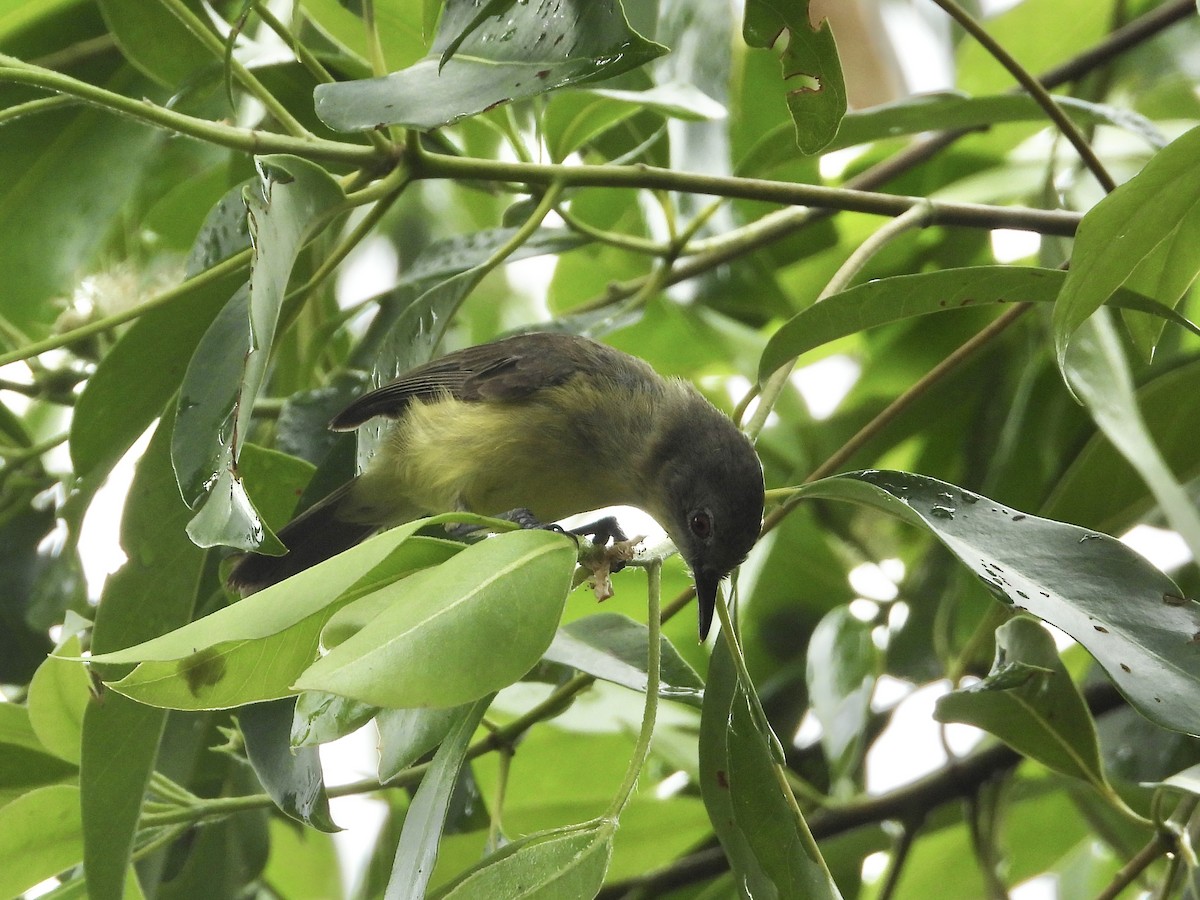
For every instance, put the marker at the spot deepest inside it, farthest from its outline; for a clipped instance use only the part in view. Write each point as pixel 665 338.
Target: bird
pixel 538 427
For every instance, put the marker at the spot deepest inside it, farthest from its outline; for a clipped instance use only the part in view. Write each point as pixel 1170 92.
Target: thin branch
pixel 1035 89
pixel 246 140
pixel 196 26
pixel 1128 873
pixel 235 263
pixel 426 165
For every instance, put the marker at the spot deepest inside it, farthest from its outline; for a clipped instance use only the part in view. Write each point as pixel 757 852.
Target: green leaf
pixel 1101 488
pixel 1030 702
pixel 58 698
pixel 86 161
pixel 405 735
pixel 899 297
pixel 573 119
pixel 156 41
pixel 487 615
pixel 812 72
pixel 152 593
pixel 841 667
pixel 24 767
pixel 766 839
pixel 254 650
pixel 947 111
pixel 1145 234
pixel 426 817
pixel 1121 609
pixel 39 838
pixel 613 647
pixel 568 862
pixel 109 416
pixel 293 199
pixel 292 776
pixel 321 718
pixel 1096 369
pixel 303 862
pixel 531 49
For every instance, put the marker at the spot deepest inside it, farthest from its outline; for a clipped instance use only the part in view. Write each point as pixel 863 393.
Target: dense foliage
pixel 220 221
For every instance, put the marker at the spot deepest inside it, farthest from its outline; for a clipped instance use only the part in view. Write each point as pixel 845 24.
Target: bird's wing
pixel 509 369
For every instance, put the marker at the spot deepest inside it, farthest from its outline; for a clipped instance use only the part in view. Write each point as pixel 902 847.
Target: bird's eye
pixel 701 524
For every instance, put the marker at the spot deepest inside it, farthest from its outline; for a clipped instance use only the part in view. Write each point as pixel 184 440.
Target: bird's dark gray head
pixel 710 490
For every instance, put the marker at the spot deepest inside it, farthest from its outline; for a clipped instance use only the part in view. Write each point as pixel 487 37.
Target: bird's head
pixel 710 498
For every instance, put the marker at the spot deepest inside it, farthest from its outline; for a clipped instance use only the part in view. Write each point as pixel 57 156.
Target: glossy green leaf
pixel 292 200
pixel 766 839
pixel 292 776
pixel 1144 235
pixel 426 817
pixel 39 837
pixel 487 615
pixel 840 668
pixel 613 647
pixel 254 650
pixel 568 862
pixel 58 697
pixel 154 592
pixel 531 49
pixel 901 297
pixel 1030 702
pixel 1096 368
pixel 1126 613
pixel 405 735
pixel 812 73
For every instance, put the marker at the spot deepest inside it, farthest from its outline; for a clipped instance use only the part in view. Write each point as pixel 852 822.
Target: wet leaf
pixel 1030 702
pixel 1125 612
pixel 529 50
pixel 291 201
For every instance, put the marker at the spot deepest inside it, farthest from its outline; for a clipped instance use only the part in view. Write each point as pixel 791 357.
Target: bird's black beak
pixel 707 584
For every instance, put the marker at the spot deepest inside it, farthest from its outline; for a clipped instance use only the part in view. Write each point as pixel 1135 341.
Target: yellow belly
pixel 492 457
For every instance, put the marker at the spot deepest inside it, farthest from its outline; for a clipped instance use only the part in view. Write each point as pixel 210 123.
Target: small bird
pixel 542 426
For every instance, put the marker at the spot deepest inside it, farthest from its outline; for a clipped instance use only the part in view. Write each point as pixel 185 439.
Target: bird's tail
pixel 312 537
